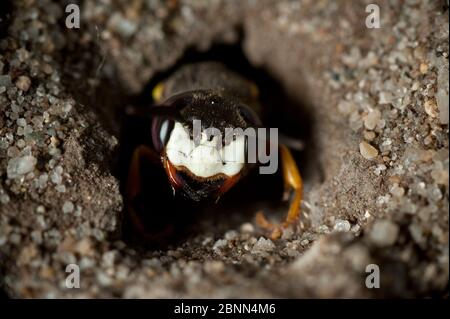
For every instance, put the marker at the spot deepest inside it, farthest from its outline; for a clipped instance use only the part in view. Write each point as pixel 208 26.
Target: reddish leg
pixel 134 188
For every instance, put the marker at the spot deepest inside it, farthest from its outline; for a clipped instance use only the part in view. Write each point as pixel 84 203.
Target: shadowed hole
pixel 5 17
pixel 157 205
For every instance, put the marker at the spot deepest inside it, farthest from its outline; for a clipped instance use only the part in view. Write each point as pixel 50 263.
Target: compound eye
pixel 249 115
pixel 161 129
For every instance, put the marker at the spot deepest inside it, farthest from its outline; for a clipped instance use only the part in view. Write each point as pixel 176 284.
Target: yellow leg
pixel 292 182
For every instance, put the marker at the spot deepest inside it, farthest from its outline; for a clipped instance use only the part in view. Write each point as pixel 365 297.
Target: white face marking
pixel 205 160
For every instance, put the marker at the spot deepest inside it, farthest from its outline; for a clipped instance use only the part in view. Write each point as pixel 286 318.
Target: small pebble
pixel 247 228
pixel 380 168
pixel 103 279
pixel 68 207
pixel 263 245
pixel 5 81
pixel 341 225
pixel 123 26
pixel 42 180
pixel 304 242
pixel 4 198
pixel 61 188
pixel 347 107
pixel 440 176
pixel 84 246
pixel 21 121
pixel 367 151
pixel 384 233
pixel 323 229
pixel 369 135
pixel 40 209
pixel 423 68
pixel 13 151
pixel 416 233
pixel 431 108
pixel 397 191
pixel 214 267
pixel 15 238
pixel 287 233
pixel 47 68
pixel 220 244
pixel 355 228
pixel 231 235
pixel 19 166
pixel 56 177
pixel 372 119
pixel 23 83
pixel 21 143
pixel 36 236
pixel 385 97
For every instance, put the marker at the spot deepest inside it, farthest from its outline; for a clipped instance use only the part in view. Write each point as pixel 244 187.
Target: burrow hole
pixel 160 210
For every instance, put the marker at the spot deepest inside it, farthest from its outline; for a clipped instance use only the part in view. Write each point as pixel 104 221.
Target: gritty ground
pixel 379 104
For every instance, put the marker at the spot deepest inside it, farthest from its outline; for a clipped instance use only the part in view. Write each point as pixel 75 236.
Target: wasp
pixel 215 97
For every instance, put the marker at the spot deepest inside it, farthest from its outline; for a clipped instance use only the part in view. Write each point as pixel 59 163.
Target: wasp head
pixel 200 141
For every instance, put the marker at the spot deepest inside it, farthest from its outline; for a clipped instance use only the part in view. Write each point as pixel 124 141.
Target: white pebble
pixel 67 207
pixel 56 178
pixel 416 233
pixel 384 233
pixel 247 228
pixel 19 166
pixel 4 198
pixel 341 225
pixel 397 191
pixel 21 122
pixel 372 119
pixel 263 245
pixel 347 107
pixel 220 244
pixel 231 235
pixel 385 97
pixel 61 188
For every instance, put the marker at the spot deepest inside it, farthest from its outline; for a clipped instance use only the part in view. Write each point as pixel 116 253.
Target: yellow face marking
pixel 157 92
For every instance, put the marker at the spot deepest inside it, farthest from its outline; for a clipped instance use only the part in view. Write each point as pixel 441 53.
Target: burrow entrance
pixel 158 208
